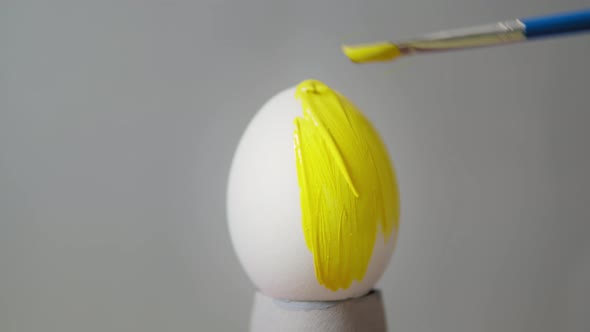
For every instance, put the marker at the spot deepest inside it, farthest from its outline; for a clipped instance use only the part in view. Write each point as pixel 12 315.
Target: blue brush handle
pixel 543 26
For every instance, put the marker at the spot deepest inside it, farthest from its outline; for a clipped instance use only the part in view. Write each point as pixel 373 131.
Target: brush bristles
pixel 378 52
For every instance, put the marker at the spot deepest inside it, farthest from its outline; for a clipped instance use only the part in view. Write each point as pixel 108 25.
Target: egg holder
pixel 364 313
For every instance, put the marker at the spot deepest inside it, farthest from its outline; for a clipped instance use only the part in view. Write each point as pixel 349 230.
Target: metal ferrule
pixel 478 36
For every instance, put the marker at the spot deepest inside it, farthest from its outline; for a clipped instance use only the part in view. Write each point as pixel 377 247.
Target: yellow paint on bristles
pixel 347 185
pixel 378 52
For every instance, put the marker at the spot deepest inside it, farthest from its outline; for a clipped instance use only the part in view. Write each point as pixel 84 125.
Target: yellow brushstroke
pixel 385 51
pixel 347 185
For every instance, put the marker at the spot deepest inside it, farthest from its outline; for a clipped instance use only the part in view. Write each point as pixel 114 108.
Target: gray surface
pixel 118 121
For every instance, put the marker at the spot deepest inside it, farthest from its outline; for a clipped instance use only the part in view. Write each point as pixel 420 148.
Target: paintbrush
pixel 501 33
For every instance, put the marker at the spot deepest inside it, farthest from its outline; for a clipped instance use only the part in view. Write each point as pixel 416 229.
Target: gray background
pixel 119 119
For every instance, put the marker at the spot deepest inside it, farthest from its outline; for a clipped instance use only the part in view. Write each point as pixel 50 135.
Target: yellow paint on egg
pixel 347 185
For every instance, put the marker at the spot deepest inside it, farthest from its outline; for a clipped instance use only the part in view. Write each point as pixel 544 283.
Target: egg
pixel 312 200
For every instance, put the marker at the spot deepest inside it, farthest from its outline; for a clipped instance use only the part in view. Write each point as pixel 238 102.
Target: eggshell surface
pixel 264 212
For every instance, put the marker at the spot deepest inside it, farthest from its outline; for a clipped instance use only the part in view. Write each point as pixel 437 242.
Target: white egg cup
pixel 364 314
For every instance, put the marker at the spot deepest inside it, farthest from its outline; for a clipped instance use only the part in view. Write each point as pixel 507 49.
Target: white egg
pixel 264 212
